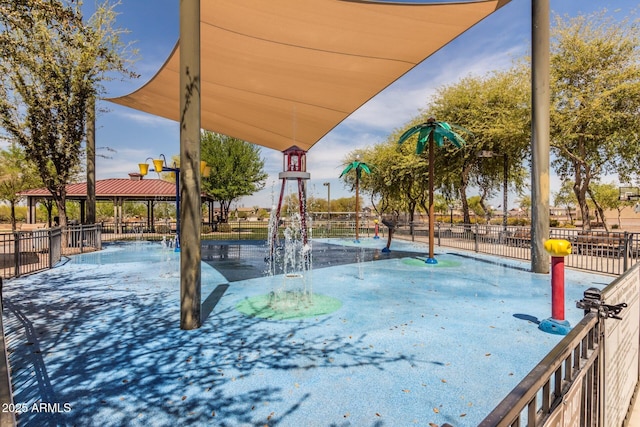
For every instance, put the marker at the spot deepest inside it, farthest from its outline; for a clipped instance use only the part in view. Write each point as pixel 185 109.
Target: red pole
pixel 556 324
pixel 557 288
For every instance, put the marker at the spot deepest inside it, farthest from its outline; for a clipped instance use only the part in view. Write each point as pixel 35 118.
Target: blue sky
pixel 153 24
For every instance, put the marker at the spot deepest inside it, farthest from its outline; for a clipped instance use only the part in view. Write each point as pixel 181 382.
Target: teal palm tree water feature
pixel 358 166
pixel 433 132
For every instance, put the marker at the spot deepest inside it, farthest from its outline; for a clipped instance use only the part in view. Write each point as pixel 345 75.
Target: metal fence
pixel 590 377
pixel 25 252
pixel 233 230
pixel 608 253
pixel 599 251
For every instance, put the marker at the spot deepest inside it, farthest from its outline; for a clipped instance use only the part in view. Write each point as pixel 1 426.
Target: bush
pixel 163 229
pixel 5 213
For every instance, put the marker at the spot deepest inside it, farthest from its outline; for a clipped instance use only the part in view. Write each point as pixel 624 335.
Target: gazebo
pixel 116 190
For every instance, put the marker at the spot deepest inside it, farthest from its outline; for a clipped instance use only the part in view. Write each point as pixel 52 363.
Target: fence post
pixel 50 257
pixel 475 238
pixel 81 238
pixel 16 253
pixel 625 263
pixel 439 233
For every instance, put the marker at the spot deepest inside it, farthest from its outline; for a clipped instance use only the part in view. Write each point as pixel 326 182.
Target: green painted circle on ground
pixel 441 263
pixel 291 306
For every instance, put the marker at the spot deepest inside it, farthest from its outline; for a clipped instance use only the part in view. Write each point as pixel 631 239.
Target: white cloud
pixel 144 118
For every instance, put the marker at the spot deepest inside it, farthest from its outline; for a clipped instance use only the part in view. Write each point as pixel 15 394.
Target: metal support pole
pixel 540 135
pixel 190 255
pixel 505 189
pixel 91 162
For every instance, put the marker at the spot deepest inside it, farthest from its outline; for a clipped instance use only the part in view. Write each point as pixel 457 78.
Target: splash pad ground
pixel 409 345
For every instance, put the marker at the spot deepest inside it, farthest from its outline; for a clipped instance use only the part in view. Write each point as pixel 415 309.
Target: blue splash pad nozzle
pixel 431 261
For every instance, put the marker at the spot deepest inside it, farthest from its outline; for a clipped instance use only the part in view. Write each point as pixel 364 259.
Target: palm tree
pixel 433 132
pixel 359 167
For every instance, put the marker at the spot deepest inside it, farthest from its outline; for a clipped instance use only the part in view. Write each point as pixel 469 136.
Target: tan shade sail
pixel 279 73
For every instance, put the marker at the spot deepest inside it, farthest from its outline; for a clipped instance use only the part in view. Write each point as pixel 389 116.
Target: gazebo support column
pixel 150 224
pixel 31 210
pixel 190 255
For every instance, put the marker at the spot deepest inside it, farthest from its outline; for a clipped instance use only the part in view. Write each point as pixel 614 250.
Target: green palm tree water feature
pixel 358 166
pixel 433 132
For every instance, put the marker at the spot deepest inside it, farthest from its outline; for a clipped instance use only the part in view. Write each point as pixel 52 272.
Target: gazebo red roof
pixel 107 189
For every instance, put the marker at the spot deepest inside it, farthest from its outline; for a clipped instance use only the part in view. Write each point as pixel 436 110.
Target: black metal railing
pixel 25 252
pixel 608 253
pixel 575 358
pixel 589 377
pixel 598 251
pixel 232 230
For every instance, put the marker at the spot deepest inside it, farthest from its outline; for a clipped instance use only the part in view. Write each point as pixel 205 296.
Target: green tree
pixel 398 184
pixel 237 169
pixel 603 197
pixel 566 198
pixel 595 89
pixel 104 211
pixel 132 209
pixel 496 109
pixel 524 203
pixel 343 204
pixel 51 67
pixel 16 175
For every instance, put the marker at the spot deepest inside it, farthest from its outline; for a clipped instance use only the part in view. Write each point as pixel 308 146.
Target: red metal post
pixel 557 288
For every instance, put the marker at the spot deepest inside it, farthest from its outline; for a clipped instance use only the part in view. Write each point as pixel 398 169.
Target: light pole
pixel 160 165
pixel 505 183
